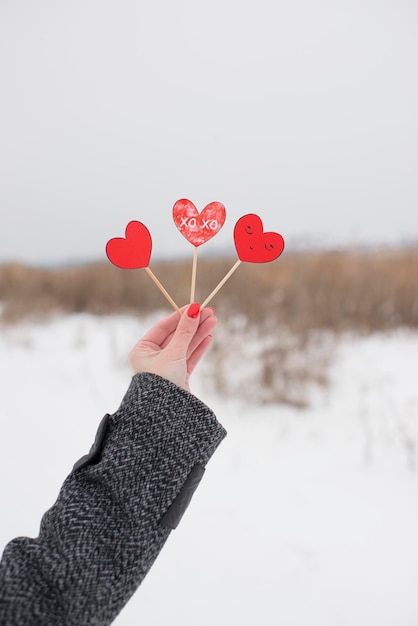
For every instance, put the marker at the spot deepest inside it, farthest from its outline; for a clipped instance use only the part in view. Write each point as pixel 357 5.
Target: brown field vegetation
pixel 323 290
pixel 283 306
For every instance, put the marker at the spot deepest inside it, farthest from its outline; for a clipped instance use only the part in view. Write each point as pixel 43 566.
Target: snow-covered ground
pixel 304 517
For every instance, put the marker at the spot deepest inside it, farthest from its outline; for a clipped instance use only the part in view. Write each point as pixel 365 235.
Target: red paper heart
pixel 252 244
pixel 198 227
pixel 132 251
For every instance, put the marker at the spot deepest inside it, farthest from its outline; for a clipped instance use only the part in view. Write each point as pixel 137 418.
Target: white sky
pixel 302 111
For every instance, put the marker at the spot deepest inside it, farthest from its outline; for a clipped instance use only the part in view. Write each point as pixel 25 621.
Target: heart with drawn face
pixel 132 251
pixel 253 244
pixel 198 227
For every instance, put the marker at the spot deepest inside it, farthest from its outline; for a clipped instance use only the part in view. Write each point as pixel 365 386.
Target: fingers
pixel 198 353
pixel 204 315
pixel 163 329
pixel 173 347
pixel 184 333
pixel 206 328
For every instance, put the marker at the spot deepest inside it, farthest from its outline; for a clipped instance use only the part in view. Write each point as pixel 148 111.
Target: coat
pixel 114 511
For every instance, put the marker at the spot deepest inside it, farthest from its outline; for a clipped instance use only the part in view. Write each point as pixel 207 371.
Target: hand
pixel 175 345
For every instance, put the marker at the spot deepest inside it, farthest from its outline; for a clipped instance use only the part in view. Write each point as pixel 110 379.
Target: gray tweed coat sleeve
pixel 114 511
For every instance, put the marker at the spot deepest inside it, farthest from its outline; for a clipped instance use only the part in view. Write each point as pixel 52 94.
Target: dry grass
pixel 280 308
pixel 329 290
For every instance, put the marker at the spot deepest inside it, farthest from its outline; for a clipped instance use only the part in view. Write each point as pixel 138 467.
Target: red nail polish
pixel 193 310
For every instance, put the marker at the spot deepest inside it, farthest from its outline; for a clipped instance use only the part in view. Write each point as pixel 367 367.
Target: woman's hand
pixel 175 345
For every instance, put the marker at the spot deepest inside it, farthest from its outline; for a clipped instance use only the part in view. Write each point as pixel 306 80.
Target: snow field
pixel 304 517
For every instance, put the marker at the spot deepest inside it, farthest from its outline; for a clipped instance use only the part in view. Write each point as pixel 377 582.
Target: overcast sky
pixel 303 111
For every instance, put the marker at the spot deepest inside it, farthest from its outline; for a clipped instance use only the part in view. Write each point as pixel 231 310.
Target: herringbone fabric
pixel 102 535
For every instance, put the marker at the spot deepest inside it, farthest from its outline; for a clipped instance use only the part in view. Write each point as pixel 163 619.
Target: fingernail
pixel 211 309
pixel 193 310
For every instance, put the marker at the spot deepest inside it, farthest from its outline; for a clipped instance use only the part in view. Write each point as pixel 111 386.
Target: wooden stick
pixel 161 288
pixel 194 268
pixel 223 281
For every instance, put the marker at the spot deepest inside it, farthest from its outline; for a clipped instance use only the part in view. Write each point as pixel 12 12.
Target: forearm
pixel 110 520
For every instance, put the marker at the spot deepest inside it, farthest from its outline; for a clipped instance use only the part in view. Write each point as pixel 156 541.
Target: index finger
pixel 162 329
pixel 203 317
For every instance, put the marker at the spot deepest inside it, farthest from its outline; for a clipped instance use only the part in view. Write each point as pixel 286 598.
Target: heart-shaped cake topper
pixel 198 227
pixel 253 244
pixel 132 251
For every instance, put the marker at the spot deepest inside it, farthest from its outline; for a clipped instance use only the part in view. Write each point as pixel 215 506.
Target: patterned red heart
pixel 252 244
pixel 132 251
pixel 198 227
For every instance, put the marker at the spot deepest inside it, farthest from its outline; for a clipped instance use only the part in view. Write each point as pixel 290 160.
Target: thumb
pixel 185 331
